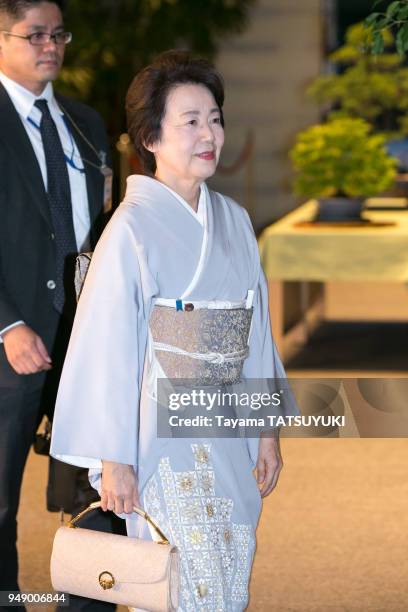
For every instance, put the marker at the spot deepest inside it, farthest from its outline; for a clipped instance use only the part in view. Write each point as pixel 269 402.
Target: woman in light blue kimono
pixel 173 248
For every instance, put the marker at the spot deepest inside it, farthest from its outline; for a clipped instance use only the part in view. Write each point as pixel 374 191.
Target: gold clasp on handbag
pixel 106 580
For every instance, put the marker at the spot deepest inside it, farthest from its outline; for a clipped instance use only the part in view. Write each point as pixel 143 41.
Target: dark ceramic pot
pixel 339 209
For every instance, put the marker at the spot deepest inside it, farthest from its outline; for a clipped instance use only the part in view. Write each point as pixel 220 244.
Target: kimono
pixel 201 492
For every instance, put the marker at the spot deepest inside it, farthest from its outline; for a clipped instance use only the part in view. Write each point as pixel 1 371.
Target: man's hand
pixel 119 487
pixel 269 464
pixel 25 351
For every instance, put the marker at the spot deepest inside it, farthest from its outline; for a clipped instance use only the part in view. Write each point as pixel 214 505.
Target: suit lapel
pixel 16 139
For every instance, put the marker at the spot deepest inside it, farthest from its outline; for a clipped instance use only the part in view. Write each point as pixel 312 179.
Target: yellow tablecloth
pixel 337 253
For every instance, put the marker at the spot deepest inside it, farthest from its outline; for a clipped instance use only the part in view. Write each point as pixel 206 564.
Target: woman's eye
pixel 192 122
pixel 217 120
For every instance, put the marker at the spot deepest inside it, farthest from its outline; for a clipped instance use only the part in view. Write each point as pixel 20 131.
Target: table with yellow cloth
pixel 373 256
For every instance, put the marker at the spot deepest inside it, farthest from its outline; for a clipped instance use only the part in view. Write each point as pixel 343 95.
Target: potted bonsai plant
pixel 341 163
pixel 374 88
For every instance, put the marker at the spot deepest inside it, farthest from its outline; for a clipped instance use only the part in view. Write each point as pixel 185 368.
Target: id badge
pixel 107 188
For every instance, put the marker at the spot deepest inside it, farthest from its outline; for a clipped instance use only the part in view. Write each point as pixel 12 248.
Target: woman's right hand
pixel 119 487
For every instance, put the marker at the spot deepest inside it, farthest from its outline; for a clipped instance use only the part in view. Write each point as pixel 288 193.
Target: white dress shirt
pixel 30 116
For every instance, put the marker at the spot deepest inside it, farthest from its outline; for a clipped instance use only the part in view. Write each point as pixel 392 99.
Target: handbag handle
pixel 139 511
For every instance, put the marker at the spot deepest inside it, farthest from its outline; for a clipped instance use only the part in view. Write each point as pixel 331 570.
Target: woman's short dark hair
pixel 147 95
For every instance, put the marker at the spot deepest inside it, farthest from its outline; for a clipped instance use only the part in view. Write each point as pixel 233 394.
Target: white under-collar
pixel 24 100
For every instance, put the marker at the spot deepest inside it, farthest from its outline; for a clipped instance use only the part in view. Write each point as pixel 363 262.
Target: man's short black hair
pixel 16 9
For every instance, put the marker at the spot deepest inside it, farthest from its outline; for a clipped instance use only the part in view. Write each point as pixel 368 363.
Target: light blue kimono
pixel 201 492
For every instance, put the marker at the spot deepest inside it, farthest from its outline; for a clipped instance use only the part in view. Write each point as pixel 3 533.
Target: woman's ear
pixel 150 147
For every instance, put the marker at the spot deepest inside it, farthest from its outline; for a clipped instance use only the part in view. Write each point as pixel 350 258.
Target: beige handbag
pixel 114 568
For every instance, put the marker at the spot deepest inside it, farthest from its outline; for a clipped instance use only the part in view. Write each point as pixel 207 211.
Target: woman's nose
pixel 207 133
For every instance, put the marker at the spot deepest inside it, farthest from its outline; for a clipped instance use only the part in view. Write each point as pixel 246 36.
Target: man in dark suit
pixel 53 190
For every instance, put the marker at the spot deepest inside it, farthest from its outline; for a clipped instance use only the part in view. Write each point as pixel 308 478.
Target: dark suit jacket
pixel 27 252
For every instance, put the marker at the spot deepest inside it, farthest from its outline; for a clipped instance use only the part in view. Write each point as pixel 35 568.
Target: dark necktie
pixel 59 198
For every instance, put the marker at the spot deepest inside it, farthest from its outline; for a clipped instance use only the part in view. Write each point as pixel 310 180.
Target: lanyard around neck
pixel 69 160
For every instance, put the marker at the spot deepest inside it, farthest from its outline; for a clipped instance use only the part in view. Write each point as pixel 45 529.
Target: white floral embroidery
pixel 215 553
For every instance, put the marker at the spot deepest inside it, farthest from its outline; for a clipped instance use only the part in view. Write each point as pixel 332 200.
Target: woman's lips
pixel 207 155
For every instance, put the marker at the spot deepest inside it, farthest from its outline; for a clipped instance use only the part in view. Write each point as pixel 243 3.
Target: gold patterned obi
pixel 200 341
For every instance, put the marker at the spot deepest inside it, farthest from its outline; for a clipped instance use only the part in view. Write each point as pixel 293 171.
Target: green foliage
pixel 374 88
pixel 395 17
pixel 341 158
pixel 114 39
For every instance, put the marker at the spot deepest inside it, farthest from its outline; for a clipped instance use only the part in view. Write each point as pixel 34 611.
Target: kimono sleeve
pixel 97 408
pixel 263 362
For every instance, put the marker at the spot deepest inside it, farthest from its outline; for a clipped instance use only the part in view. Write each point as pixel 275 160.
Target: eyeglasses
pixel 42 38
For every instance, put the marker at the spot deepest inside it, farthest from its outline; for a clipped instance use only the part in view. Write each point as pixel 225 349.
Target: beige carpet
pixel 333 537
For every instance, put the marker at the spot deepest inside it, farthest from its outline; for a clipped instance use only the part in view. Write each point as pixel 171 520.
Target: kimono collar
pixel 139 185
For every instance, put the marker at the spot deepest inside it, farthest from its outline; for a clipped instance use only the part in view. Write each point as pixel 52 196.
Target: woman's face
pixel 191 135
